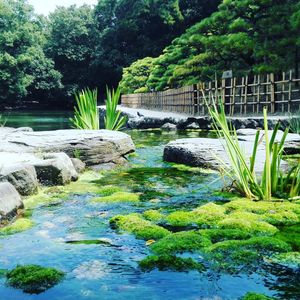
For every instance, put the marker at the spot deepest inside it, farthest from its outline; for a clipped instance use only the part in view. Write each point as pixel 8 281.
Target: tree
pixel 21 54
pixel 71 44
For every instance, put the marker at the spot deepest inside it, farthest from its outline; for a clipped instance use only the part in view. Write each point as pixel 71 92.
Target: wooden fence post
pixel 272 82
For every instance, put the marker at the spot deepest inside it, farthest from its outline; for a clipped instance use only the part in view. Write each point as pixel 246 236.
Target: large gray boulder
pixel 10 200
pixel 55 169
pixel 22 176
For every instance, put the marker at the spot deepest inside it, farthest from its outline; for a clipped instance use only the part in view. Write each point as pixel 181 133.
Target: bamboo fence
pixel 241 96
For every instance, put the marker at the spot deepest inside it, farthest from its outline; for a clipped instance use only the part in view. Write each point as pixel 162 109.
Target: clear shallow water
pixel 110 271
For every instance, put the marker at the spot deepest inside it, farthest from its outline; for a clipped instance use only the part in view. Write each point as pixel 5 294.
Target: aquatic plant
pixel 242 174
pixel 153 215
pixel 288 259
pixel 2 121
pixel 33 279
pixel 169 262
pixel 113 119
pixel 294 122
pixel 108 190
pixel 141 228
pixel 118 197
pixel 17 226
pixel 86 115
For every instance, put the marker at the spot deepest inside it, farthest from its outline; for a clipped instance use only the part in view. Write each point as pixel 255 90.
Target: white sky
pixel 46 6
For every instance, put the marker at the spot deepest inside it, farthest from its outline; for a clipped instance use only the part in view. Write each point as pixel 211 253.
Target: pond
pixel 73 234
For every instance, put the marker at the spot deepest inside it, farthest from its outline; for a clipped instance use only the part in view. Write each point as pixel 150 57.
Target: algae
pixel 17 226
pixel 118 197
pixel 153 215
pixel 256 296
pixel 108 190
pixel 33 279
pixel 289 259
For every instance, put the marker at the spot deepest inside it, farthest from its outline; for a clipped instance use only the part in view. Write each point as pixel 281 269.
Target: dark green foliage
pixel 33 279
pixel 243 36
pixel 169 262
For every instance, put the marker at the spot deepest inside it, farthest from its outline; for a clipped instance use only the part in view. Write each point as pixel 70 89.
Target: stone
pixel 78 165
pixel 193 125
pixel 22 176
pixel 55 169
pixel 10 200
pixel 169 126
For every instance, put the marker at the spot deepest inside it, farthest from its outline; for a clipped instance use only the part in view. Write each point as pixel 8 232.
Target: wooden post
pixel 245 95
pixel 272 82
pixel 258 94
pixel 290 92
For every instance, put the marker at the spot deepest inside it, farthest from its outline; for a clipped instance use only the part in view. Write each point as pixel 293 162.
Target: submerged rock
pixel 19 225
pixel 33 279
pixel 10 200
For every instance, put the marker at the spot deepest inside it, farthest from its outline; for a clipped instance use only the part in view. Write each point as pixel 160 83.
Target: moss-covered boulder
pixel 256 296
pixel 19 225
pixel 108 190
pixel 209 215
pixel 169 262
pixel 118 197
pixel 153 215
pixel 140 227
pixel 290 234
pixel 33 279
pixel 219 235
pixel 180 242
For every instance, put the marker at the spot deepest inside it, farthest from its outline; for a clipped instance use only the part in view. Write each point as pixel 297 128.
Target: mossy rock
pixel 275 213
pixel 181 218
pixel 153 215
pixel 209 214
pixel 256 296
pixel 33 279
pixel 235 253
pixel 118 197
pixel 290 259
pixel 169 263
pixel 108 190
pixel 219 235
pixel 248 222
pixel 140 227
pixel 290 235
pixel 17 226
pixel 180 242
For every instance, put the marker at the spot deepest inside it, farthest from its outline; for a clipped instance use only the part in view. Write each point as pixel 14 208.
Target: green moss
pixel 179 242
pixel 209 215
pixel 256 296
pixel 33 279
pixel 19 225
pixel 153 215
pixel 181 218
pixel 169 262
pixel 248 222
pixel 118 197
pixel 276 213
pixel 289 259
pixel 108 190
pixel 290 235
pixel 141 228
pixel 218 235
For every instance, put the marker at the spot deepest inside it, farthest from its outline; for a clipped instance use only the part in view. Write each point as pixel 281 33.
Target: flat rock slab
pixel 207 152
pixel 91 146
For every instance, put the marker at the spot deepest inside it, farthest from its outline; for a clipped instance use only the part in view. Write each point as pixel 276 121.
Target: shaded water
pixel 110 270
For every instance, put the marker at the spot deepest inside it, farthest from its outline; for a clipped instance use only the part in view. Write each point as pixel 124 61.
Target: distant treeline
pixel 245 36
pixel 47 59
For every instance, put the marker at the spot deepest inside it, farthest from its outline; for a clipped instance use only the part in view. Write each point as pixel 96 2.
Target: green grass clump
pixel 141 228
pixel 33 279
pixel 179 242
pixel 256 296
pixel 118 197
pixel 19 225
pixel 108 190
pixel 153 215
pixel 169 262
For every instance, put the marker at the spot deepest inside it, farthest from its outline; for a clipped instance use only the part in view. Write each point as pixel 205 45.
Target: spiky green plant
pixel 294 122
pixel 2 121
pixel 113 119
pixel 86 115
pixel 242 173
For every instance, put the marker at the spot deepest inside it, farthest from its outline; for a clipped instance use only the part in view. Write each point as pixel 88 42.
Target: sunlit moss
pixel 118 197
pixel 108 190
pixel 209 214
pixel 290 235
pixel 153 215
pixel 179 242
pixel 169 262
pixel 181 218
pixel 17 226
pixel 33 279
pixel 141 228
pixel 219 235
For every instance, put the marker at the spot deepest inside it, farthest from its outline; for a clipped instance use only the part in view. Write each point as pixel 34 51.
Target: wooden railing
pixel 241 96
